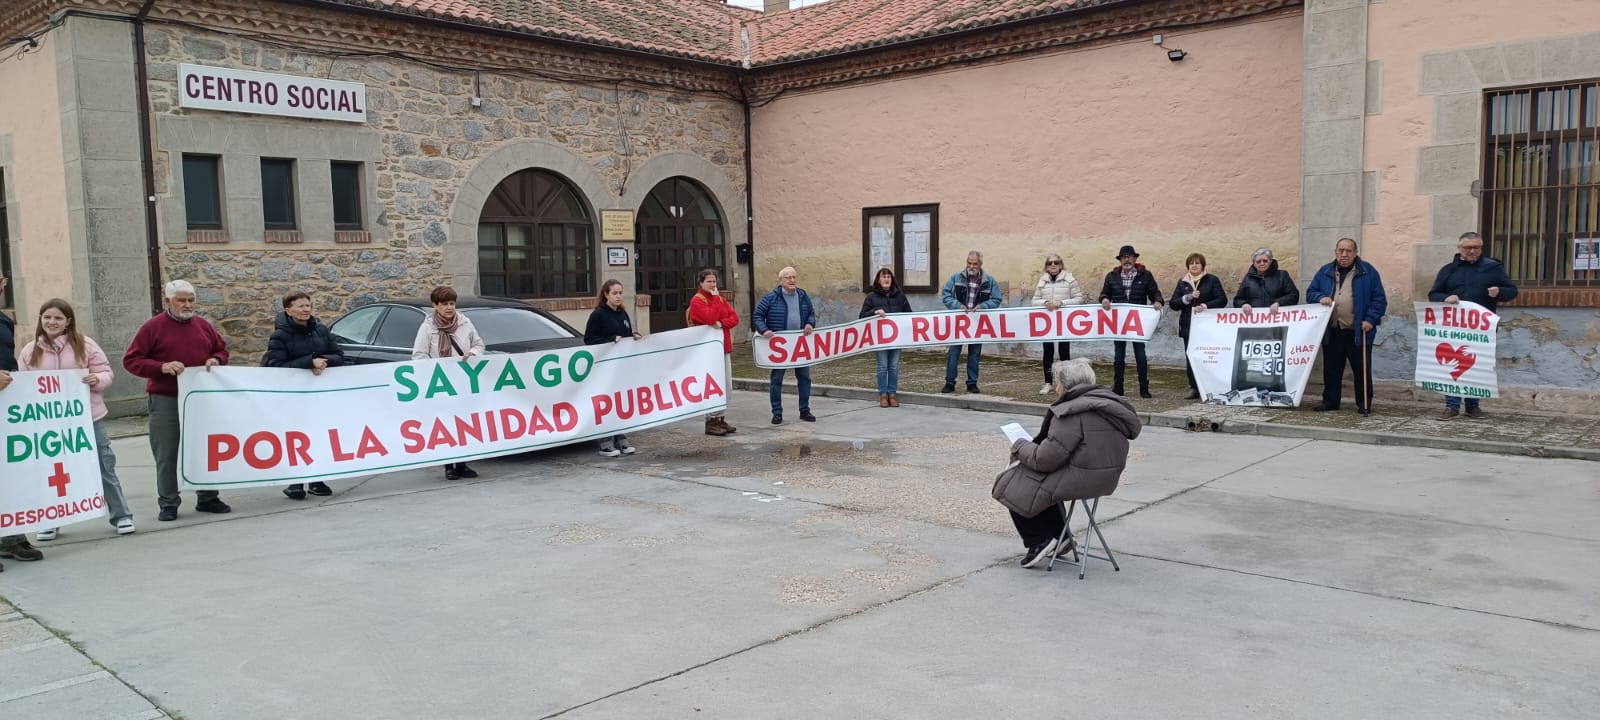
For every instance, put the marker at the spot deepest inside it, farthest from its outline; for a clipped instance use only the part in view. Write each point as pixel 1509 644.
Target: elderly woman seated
pixel 1078 454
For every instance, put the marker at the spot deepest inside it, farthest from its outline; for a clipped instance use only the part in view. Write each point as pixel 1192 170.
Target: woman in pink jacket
pixel 57 345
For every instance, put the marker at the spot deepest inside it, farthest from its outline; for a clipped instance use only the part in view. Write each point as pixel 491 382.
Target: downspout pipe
pixel 147 156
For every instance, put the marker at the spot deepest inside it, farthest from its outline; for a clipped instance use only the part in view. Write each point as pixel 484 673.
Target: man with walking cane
pixel 1350 286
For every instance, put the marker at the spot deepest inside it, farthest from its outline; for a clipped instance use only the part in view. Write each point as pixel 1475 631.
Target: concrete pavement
pixel 854 567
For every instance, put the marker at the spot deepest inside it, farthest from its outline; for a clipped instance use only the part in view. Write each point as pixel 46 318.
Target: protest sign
pixel 1255 358
pixel 1455 349
pixel 52 472
pixel 795 348
pixel 265 426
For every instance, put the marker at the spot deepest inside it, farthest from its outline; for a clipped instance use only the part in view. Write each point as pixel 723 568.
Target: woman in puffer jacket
pixel 1079 454
pixel 299 341
pixel 883 298
pixel 1056 288
pixel 1265 285
pixel 57 345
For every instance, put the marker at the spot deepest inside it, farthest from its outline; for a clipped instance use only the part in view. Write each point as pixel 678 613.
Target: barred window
pixel 1541 187
pixel 536 239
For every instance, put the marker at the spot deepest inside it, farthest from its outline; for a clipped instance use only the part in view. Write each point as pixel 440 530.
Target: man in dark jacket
pixel 15 547
pixel 787 307
pixel 970 289
pixel 1352 287
pixel 299 341
pixel 1474 278
pixel 1130 283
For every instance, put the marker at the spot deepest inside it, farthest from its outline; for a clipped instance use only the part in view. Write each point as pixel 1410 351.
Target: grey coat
pixel 1079 454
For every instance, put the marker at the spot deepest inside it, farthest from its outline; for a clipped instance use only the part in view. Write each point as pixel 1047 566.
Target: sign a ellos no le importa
pixel 246 91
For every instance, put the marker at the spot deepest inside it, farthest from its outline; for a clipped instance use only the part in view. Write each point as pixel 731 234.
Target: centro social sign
pixel 245 91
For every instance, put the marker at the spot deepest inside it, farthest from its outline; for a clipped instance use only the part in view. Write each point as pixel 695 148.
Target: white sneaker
pixel 610 452
pixel 47 535
pixel 1047 389
pixel 626 448
pixel 125 526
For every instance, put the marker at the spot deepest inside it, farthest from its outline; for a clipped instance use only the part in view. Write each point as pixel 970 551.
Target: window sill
pixel 207 237
pixel 283 237
pixel 351 237
pixel 1556 297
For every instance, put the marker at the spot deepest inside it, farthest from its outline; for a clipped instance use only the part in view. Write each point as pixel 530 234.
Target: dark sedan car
pixel 385 331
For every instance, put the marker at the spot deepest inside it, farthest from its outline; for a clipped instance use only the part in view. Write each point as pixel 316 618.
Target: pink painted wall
pixel 29 112
pixel 1075 152
pixel 1399 34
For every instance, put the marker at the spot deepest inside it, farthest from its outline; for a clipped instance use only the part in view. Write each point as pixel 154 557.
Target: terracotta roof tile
pixel 841 26
pixel 697 29
pixel 710 30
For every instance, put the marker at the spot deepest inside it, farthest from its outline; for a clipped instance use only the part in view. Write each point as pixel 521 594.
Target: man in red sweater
pixel 164 346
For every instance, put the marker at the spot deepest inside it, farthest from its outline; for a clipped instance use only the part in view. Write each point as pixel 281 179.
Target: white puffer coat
pixel 1064 289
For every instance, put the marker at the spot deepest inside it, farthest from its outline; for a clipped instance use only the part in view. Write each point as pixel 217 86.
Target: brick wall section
pixel 431 139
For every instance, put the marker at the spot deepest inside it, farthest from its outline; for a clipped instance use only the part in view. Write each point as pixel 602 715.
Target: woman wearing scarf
pixel 1196 291
pixel 1056 288
pixel 446 333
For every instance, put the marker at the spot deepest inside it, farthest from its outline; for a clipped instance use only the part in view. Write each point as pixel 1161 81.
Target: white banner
pixel 1455 349
pixel 794 348
pixel 1259 358
pixel 52 473
pixel 247 91
pixel 270 426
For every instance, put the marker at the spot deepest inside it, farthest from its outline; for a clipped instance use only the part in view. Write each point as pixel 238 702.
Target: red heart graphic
pixel 1456 356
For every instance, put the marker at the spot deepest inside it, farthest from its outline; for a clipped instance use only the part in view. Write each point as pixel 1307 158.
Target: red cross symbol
pixel 59 480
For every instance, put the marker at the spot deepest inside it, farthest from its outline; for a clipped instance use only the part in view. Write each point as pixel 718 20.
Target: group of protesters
pixel 176 340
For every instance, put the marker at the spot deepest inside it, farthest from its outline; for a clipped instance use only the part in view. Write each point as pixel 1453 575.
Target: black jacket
pixel 8 343
pixel 1471 282
pixel 893 302
pixel 1258 290
pixel 294 345
pixel 1142 292
pixel 1212 295
pixel 606 325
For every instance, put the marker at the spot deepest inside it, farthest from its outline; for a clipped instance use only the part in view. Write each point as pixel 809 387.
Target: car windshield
pixel 501 325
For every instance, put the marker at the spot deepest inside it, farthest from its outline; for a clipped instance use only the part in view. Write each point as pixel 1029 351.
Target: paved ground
pixel 850 568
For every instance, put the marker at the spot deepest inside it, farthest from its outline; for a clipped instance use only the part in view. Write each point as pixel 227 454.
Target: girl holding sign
pixel 607 324
pixel 57 345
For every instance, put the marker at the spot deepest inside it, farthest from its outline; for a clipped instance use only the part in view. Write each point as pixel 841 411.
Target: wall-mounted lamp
pixel 1173 54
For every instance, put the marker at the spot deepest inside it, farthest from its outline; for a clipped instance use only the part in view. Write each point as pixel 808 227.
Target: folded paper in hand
pixel 1014 432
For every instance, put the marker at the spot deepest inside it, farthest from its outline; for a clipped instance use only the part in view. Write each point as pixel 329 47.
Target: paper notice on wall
pixel 1585 254
pixel 881 235
pixel 916 222
pixel 919 262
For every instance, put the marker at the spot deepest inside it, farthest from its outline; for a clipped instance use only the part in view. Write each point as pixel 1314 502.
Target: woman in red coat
pixel 708 308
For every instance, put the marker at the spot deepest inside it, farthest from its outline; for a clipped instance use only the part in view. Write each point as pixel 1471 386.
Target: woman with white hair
pixel 1056 287
pixel 1079 454
pixel 1265 285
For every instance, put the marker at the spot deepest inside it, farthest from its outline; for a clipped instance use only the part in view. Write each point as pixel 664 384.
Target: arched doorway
pixel 680 233
pixel 536 239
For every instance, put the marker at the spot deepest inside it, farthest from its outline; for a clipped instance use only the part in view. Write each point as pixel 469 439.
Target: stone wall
pixel 423 138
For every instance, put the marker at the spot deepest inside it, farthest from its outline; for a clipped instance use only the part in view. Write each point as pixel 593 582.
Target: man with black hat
pixel 1130 283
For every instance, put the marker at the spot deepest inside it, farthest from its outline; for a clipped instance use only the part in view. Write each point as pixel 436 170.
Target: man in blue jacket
pixel 1474 278
pixel 787 307
pixel 1352 287
pixel 970 289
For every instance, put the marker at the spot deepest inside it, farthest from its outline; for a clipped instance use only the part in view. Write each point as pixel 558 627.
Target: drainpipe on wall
pixel 147 156
pixel 749 197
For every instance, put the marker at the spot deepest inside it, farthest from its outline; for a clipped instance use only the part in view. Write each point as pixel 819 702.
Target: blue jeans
pixel 888 372
pixel 974 351
pixel 116 503
pixel 1452 402
pixel 802 378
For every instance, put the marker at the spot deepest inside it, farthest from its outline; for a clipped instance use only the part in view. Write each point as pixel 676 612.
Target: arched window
pixel 535 239
pixel 680 233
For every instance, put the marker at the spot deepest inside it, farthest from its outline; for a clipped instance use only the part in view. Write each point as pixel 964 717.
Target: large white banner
pixel 52 472
pixel 1255 358
pixel 795 348
pixel 270 426
pixel 247 91
pixel 1455 349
